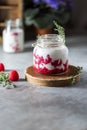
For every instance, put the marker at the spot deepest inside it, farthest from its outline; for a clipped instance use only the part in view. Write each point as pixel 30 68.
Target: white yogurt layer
pixel 55 53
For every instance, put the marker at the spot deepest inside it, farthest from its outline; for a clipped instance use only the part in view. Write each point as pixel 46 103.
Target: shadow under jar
pixel 50 55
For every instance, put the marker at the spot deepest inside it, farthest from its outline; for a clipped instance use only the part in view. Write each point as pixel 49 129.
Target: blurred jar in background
pixel 13 36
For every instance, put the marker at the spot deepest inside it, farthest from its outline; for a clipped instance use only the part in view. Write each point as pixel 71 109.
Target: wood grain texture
pixel 52 80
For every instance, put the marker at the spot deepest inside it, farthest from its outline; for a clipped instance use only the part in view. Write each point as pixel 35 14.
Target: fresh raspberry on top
pixel 2 67
pixel 13 75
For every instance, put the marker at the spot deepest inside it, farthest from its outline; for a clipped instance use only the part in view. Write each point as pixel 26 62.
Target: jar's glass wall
pixel 50 56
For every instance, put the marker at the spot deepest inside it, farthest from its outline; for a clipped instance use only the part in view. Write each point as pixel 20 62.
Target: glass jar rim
pixel 50 40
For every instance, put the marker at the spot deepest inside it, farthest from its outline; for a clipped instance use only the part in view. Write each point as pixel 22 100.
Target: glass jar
pixel 13 36
pixel 50 55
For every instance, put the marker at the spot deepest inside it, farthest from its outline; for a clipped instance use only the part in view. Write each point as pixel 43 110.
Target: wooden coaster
pixel 65 79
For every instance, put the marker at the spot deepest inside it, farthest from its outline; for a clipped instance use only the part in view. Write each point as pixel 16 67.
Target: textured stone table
pixel 31 107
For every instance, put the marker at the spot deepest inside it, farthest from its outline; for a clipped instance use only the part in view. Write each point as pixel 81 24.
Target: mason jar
pixel 13 36
pixel 50 55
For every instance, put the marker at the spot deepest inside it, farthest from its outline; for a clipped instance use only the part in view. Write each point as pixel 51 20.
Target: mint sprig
pixel 5 81
pixel 59 29
pixel 78 71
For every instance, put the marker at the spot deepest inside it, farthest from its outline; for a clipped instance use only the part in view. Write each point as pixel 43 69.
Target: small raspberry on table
pixel 2 67
pixel 13 75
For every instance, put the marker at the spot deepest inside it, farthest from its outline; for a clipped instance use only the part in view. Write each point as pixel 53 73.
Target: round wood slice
pixel 52 80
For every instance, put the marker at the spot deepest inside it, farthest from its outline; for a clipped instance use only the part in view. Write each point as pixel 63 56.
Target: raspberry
pixel 2 67
pixel 13 75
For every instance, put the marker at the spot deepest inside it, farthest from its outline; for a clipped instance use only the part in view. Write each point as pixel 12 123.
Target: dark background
pixel 78 24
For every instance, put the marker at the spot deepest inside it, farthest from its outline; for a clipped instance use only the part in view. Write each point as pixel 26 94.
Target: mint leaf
pixel 5 81
pixel 59 29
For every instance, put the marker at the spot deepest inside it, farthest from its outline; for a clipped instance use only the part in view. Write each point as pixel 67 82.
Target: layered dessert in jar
pixel 50 55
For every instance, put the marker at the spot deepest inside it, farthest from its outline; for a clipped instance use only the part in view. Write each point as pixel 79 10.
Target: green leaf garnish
pixel 59 29
pixel 78 71
pixel 73 80
pixel 5 81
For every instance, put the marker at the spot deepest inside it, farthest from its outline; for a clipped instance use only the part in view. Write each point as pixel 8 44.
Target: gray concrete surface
pixel 31 107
